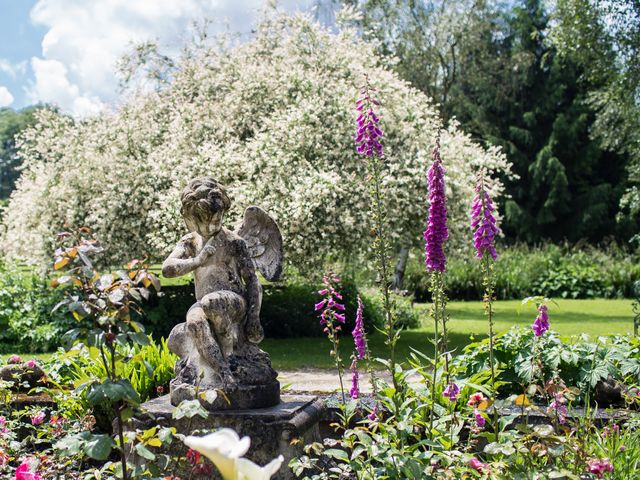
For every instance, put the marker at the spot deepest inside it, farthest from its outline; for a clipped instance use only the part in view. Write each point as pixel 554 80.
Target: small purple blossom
pixel 368 134
pixel 558 408
pixel 358 332
pixel 480 420
pixel 373 415
pixel 31 363
pixel 614 430
pixel 38 418
pixel 436 233
pixel 328 307
pixel 355 385
pixel 483 222
pixel 14 359
pixel 599 466
pixel 541 323
pixel 451 392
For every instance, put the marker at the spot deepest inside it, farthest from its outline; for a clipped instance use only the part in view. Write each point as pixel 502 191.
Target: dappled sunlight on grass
pixel 467 324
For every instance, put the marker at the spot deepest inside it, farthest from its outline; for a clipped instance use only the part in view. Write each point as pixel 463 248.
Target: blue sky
pixel 64 51
pixel 20 39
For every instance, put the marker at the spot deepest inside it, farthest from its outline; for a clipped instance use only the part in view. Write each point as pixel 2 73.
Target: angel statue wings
pixel 217 345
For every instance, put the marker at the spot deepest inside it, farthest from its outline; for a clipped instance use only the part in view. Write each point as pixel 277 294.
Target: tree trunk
pixel 401 265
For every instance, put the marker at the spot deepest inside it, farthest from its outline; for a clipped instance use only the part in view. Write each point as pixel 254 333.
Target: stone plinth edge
pixel 282 429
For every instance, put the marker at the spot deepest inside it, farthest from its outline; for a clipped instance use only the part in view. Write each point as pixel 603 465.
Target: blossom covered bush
pixel 271 119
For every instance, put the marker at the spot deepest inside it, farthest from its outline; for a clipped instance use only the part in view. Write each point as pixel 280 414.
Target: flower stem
pixel 380 248
pixel 336 345
pixel 436 352
pixel 488 305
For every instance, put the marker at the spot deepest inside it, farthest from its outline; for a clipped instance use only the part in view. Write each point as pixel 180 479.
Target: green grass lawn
pixel 467 322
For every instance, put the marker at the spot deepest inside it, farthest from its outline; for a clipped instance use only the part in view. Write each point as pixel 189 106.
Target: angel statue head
pixel 204 203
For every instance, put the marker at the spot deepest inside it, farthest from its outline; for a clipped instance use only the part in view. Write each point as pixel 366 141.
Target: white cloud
pixel 51 85
pixel 6 98
pixel 85 39
pixel 12 69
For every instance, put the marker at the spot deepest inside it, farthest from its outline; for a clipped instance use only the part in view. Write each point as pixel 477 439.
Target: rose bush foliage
pixel 272 119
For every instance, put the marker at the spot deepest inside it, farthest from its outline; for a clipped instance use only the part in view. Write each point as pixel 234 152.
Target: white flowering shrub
pixel 273 120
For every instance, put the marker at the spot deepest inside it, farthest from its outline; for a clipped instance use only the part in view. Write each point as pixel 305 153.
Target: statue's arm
pixel 253 295
pixel 180 262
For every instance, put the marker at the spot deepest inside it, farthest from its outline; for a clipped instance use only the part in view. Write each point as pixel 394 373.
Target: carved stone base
pixel 282 429
pixel 236 398
pixel 250 382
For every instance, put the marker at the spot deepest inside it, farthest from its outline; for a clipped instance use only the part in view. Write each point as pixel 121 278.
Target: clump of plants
pixel 469 417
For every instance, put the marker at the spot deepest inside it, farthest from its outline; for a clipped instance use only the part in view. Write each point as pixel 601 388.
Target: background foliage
pixel 273 120
pixel 557 271
pixel 554 84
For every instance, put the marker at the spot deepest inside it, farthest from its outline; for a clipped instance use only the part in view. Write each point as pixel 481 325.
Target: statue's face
pixel 206 227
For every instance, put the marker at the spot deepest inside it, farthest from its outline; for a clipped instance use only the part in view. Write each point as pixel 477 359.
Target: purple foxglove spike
pixel 437 232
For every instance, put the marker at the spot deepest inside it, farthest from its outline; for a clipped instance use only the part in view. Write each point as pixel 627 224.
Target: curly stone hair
pixel 204 197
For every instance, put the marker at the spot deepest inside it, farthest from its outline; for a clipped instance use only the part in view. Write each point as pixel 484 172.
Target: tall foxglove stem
pixel 435 235
pixel 485 229
pixel 332 318
pixel 367 140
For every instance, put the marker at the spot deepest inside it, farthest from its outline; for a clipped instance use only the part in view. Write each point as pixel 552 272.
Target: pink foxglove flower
pixel 558 408
pixel 358 332
pixel 368 134
pixel 480 420
pixel 541 323
pixel 329 307
pixel 373 415
pixel 436 233
pixel 483 222
pixel 451 392
pixel 355 385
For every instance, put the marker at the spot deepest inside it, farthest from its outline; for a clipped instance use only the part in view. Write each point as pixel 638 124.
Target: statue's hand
pixel 208 250
pixel 255 333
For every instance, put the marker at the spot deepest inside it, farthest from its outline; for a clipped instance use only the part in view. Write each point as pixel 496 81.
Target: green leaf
pixel 166 434
pixel 98 447
pixel 337 454
pixel 112 392
pixel 189 409
pixel 71 445
pixel 144 452
pixel 140 338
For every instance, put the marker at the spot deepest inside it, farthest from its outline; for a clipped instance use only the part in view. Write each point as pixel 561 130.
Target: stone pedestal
pixel 279 430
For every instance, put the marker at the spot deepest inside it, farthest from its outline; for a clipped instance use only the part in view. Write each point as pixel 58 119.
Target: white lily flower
pixel 247 470
pixel 223 447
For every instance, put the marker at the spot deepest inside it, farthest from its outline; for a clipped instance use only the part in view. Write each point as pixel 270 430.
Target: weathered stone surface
pixel 22 378
pixel 217 344
pixel 609 393
pixel 282 429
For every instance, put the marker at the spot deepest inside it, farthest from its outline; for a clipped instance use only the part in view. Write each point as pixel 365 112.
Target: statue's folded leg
pixel 205 342
pixel 226 311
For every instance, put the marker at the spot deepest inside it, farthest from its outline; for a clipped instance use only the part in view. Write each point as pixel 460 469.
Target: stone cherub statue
pixel 217 345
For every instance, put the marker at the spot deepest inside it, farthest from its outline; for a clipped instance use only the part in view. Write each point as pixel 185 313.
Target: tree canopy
pixel 273 119
pixel 557 90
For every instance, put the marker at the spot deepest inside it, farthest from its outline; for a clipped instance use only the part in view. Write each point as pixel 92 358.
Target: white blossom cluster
pixel 273 119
